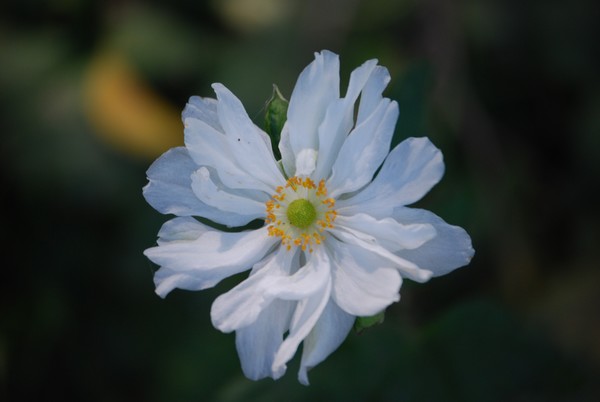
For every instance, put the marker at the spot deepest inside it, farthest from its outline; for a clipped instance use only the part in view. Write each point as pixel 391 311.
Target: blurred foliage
pixel 90 94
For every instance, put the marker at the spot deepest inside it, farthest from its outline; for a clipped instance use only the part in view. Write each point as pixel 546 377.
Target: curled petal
pixel 169 188
pixel 205 261
pixel 258 343
pixel 407 268
pixel 247 203
pixel 328 333
pixel 450 249
pixel 388 232
pixel 181 229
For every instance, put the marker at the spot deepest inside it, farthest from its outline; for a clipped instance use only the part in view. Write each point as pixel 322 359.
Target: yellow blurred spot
pixel 253 15
pixel 125 112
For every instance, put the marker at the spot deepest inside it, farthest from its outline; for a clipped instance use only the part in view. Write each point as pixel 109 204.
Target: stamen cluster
pixel 299 232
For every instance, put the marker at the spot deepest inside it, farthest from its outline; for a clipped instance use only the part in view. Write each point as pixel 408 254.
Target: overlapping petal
pixel 258 343
pixel 407 268
pixel 363 284
pixel 338 120
pixel 307 313
pixel 169 190
pixel 364 150
pixel 388 232
pixel 318 85
pixel 209 189
pixel 408 173
pixel 203 262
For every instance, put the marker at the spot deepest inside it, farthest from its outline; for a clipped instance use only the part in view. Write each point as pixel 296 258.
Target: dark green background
pixel 509 90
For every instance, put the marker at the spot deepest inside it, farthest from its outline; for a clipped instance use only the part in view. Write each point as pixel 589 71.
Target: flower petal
pixel 328 333
pixel 388 232
pixel 203 109
pixel 408 173
pixel 371 94
pixel 306 161
pixel 450 249
pixel 246 142
pixel 317 86
pixel 364 283
pixel 234 203
pixel 364 150
pixel 288 160
pixel 169 185
pixel 181 229
pixel 407 268
pixel 257 343
pixel 205 261
pixel 308 310
pixel 338 119
pixel 242 305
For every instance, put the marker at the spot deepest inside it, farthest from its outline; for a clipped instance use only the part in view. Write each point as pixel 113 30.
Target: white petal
pixel 233 203
pixel 317 86
pixel 257 343
pixel 371 93
pixel 246 142
pixel 332 133
pixel 306 162
pixel 308 311
pixel 408 173
pixel 204 262
pixel 388 232
pixel 203 109
pixel 288 160
pixel 339 119
pixel 241 306
pixel 364 283
pixel 450 249
pixel 181 229
pixel 364 150
pixel 169 188
pixel 209 147
pixel 407 268
pixel 328 333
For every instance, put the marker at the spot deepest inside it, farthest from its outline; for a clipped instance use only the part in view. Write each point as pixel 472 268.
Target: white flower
pixel 337 240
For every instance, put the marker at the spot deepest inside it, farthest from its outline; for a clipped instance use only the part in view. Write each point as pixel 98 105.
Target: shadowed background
pixel 91 93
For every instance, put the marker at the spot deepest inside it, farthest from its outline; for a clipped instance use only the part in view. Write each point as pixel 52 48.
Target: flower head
pixel 337 238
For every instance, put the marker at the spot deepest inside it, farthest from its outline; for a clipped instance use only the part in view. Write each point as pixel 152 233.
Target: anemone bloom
pixel 337 238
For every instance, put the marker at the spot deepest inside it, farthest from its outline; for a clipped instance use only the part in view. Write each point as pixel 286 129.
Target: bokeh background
pixel 91 93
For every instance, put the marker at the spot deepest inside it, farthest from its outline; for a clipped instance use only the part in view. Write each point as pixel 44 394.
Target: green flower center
pixel 301 213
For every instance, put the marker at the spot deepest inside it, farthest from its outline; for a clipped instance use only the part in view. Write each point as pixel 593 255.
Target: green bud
pixel 275 118
pixel 363 323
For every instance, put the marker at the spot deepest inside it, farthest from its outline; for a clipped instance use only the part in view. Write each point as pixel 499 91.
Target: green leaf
pixel 363 323
pixel 275 118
